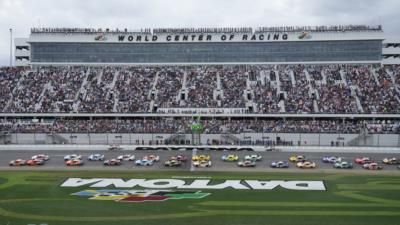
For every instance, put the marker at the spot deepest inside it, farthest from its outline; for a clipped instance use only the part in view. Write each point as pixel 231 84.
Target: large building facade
pixel 338 44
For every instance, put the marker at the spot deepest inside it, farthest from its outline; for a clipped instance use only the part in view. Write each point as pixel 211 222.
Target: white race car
pixel 41 157
pixel 154 158
pixel 71 157
pixel 254 157
pixel 144 162
pixel 96 157
pixel 203 163
pixel 126 157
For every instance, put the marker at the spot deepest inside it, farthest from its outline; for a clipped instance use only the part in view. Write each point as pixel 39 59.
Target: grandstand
pixel 270 86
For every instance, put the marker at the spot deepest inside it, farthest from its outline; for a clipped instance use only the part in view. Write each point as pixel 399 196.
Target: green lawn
pixel 37 198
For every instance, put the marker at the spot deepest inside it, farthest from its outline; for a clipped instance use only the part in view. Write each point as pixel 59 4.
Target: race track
pixel 57 160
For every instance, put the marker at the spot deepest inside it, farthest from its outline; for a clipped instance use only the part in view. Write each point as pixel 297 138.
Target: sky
pixel 21 15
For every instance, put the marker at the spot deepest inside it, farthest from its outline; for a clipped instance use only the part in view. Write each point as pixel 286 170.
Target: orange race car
pixel 74 162
pixel 35 162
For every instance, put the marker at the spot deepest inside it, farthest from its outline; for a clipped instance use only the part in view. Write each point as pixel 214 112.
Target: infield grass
pixel 350 199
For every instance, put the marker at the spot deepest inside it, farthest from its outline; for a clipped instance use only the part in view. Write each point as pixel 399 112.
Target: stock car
pixel 35 162
pixel 114 147
pixel 154 158
pixel 372 166
pixel 202 163
pixel 391 161
pixel 297 158
pixel 343 165
pixel 173 163
pixel 96 157
pixel 112 162
pixel 144 162
pixel 181 158
pixel 17 162
pixel 331 159
pixel 280 164
pixel 363 160
pixel 41 157
pixel 74 162
pixel 247 163
pixel 71 157
pixel 230 158
pixel 306 165
pixel 126 157
pixel 201 158
pixel 254 157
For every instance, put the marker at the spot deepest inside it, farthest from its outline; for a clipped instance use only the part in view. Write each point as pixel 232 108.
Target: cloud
pixel 21 15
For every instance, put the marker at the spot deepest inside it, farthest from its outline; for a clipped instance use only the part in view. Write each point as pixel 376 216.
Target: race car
pixel 41 157
pixel 254 157
pixel 74 162
pixel 230 158
pixel 114 147
pixel 73 156
pixel 96 157
pixel 35 162
pixel 280 164
pixel 126 157
pixel 247 163
pixel 144 162
pixel 17 162
pixel 331 159
pixel 202 163
pixel 154 158
pixel 391 161
pixel 181 158
pixel 112 162
pixel 363 160
pixel 306 165
pixel 372 166
pixel 343 165
pixel 201 158
pixel 297 158
pixel 173 163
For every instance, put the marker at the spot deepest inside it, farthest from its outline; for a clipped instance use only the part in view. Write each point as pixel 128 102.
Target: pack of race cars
pixel 204 161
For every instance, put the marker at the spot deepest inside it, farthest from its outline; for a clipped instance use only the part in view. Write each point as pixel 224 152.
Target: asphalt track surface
pixel 56 161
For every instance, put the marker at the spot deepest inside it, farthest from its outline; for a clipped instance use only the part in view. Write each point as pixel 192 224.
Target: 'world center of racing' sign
pixel 197 184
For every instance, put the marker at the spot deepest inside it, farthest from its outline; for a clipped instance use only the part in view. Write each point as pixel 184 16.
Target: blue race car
pixel 144 162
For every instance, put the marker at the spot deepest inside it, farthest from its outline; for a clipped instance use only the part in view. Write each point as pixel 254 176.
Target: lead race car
pixel 391 161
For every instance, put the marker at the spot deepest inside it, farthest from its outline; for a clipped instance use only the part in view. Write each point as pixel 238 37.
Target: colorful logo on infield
pixel 139 195
pixel 100 37
pixel 304 35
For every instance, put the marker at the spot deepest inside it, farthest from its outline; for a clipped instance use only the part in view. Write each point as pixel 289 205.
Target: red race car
pixel 35 162
pixel 363 160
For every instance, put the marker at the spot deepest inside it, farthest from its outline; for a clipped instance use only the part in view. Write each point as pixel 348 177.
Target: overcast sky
pixel 21 15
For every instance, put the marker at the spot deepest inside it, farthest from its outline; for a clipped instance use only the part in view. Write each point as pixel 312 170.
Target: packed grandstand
pixel 289 92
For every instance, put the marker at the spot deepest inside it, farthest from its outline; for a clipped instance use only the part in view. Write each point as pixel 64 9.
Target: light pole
pixel 11 47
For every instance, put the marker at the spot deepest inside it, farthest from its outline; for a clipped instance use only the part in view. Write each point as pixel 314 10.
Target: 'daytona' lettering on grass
pixel 195 184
